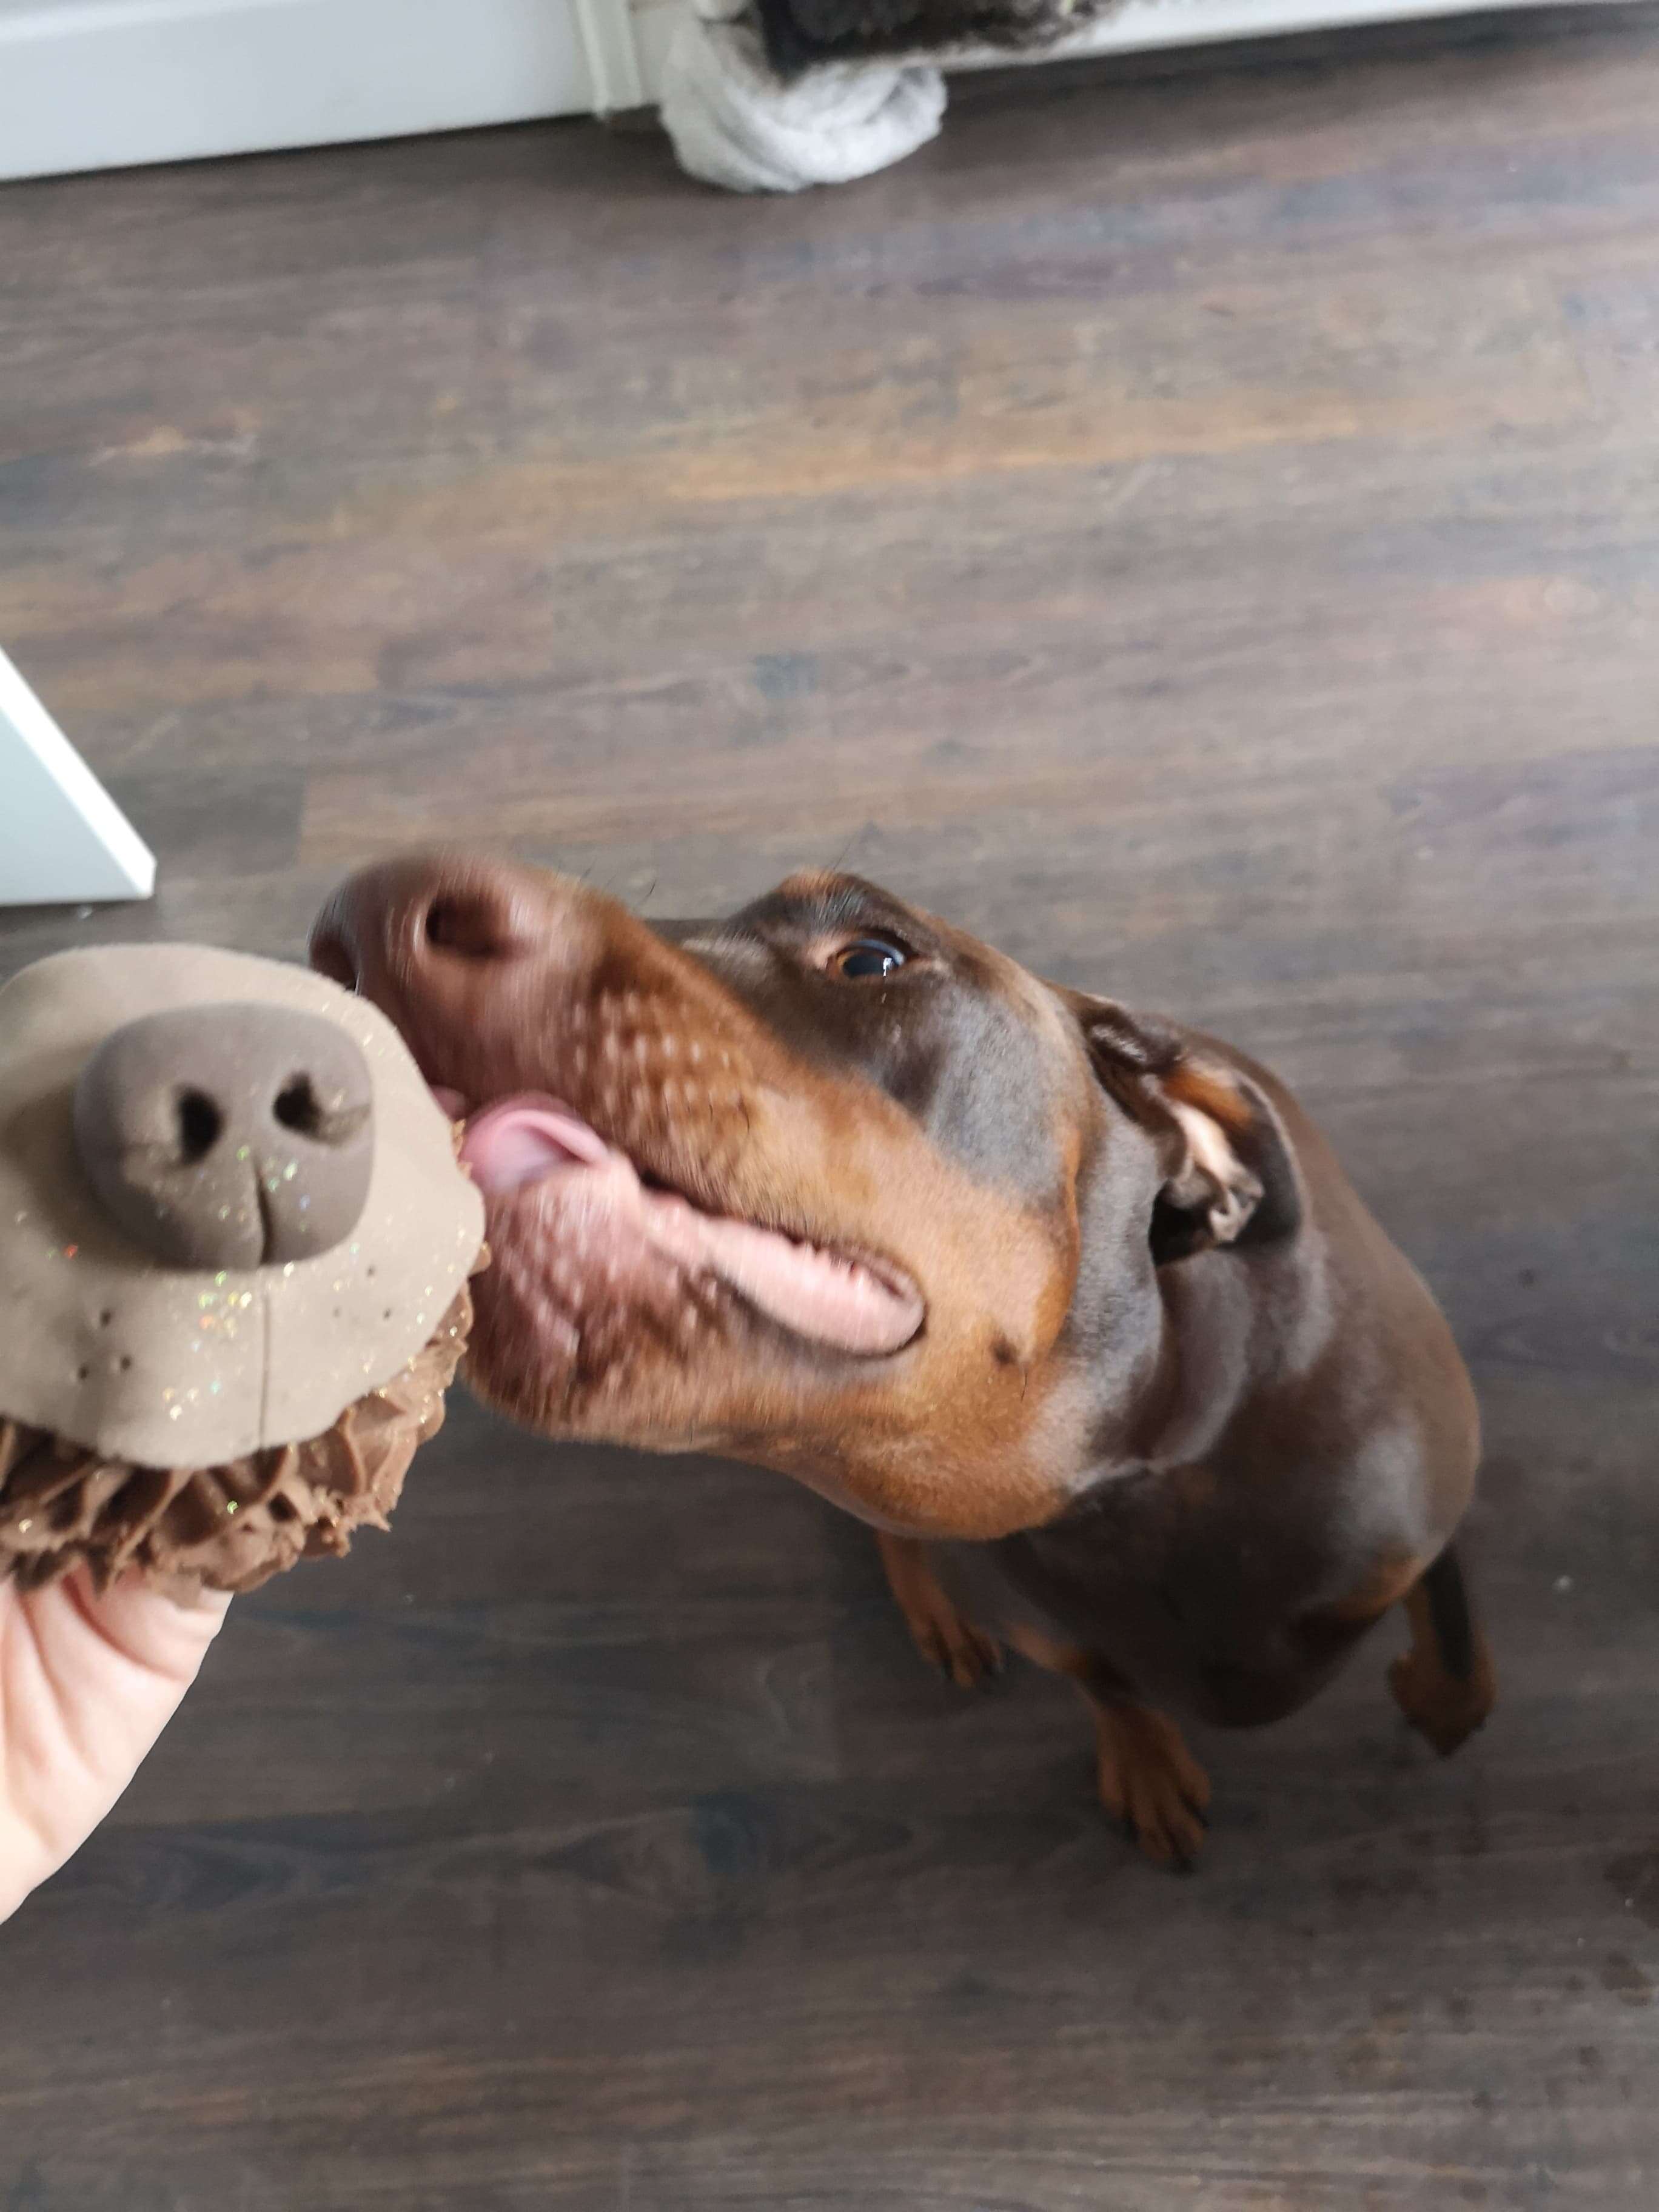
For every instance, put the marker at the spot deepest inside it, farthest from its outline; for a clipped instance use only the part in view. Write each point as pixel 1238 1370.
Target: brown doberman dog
pixel 1074 1306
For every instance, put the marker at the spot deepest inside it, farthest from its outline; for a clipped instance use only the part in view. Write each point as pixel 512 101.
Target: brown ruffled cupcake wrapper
pixel 228 1528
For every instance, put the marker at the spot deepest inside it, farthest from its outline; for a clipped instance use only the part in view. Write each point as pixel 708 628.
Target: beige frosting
pixel 168 1367
pixel 228 1528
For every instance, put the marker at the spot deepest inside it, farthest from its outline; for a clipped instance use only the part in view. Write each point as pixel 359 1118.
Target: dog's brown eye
pixel 867 959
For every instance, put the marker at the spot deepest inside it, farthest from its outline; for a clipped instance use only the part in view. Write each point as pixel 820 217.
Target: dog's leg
pixel 943 1636
pixel 1148 1780
pixel 1445 1684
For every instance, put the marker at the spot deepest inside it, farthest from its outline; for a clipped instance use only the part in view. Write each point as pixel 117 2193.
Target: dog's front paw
pixel 956 1647
pixel 946 1637
pixel 1438 1706
pixel 1151 1782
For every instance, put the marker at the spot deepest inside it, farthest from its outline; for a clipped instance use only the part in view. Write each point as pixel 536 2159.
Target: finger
pixel 166 1634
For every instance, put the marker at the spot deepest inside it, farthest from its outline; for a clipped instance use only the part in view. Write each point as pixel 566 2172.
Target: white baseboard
pixel 1145 24
pixel 99 84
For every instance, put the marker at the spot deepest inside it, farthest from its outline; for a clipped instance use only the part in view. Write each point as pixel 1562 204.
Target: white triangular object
pixel 64 842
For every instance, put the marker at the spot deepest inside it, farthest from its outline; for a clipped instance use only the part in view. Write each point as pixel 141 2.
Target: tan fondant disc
pixel 176 1368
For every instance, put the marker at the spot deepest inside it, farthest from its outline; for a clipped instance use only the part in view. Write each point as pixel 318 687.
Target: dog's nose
pixel 409 920
pixel 228 1136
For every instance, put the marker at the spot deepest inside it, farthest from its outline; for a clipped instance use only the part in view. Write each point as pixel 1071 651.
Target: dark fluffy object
pixel 800 33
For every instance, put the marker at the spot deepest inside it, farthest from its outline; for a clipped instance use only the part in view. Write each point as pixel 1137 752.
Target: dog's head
pixel 828 1185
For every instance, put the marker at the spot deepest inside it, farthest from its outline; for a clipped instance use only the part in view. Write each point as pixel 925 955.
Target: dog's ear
pixel 1229 1178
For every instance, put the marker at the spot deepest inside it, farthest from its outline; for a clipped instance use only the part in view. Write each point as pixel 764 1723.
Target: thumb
pixel 87 1684
pixel 162 1635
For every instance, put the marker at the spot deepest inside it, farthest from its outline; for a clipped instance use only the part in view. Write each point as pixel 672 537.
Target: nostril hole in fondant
pixel 297 1107
pixel 201 1125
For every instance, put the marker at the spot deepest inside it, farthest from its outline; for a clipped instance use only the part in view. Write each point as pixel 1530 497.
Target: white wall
pixel 94 84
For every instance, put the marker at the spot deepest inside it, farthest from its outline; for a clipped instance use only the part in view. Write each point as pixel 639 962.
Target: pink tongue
pixel 833 1301
pixel 523 1139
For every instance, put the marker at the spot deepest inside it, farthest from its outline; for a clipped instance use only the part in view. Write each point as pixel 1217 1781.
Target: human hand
pixel 87 1684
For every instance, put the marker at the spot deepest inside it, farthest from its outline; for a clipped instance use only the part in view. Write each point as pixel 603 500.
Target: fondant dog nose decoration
pixel 235 1246
pixel 228 1136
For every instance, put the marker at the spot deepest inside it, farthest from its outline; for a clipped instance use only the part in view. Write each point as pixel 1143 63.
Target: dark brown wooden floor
pixel 1203 534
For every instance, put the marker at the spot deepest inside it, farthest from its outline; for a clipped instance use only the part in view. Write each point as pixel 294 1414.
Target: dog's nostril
pixel 201 1124
pixel 297 1107
pixel 331 955
pixel 471 928
pixel 443 925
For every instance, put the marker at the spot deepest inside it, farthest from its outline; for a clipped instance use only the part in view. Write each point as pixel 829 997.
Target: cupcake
pixel 235 1246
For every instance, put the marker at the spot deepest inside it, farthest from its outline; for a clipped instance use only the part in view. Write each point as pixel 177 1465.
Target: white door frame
pixel 102 84
pixel 64 842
